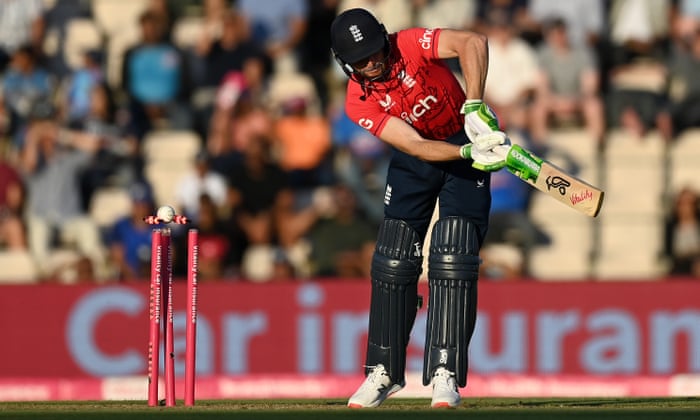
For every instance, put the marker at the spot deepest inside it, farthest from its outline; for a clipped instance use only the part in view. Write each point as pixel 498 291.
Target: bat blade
pixel 554 181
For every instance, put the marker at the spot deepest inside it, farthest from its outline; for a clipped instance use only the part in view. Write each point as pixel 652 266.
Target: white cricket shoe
pixel 445 393
pixel 374 390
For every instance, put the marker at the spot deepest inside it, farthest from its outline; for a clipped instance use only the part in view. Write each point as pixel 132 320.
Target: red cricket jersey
pixel 420 90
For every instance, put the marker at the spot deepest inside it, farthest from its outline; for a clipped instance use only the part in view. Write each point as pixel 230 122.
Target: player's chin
pixel 374 73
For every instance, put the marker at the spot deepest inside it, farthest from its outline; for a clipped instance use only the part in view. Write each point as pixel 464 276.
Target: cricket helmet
pixel 356 35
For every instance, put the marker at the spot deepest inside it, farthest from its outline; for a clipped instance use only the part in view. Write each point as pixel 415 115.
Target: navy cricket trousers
pixel 413 186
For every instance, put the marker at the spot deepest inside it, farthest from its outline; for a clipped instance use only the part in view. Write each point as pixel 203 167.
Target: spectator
pixel 130 238
pixel 118 162
pixel 342 241
pixel 234 127
pixel 314 57
pixel 513 72
pixel 202 181
pixel 684 84
pixel 22 25
pixel 51 161
pixel 277 25
pixel 303 141
pixel 361 163
pixel 585 19
pixel 216 253
pixel 255 188
pixel 13 234
pixel 569 85
pixel 682 237
pixel 637 75
pixel 232 52
pixel 77 87
pixel 156 79
pixel 24 84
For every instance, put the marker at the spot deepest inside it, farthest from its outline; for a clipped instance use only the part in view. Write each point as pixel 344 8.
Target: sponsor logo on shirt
pixel 419 109
pixel 366 123
pixel 426 40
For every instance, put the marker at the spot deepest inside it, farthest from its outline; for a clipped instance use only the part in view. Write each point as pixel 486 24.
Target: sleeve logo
pixel 366 123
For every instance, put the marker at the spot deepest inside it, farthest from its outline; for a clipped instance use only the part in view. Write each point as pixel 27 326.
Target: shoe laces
pixel 444 377
pixel 376 374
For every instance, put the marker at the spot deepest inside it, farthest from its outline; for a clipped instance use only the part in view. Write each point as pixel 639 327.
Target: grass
pixel 405 409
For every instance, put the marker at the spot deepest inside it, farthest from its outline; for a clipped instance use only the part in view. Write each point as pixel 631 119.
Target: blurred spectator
pixel 685 18
pixel 515 9
pixel 637 99
pixel 156 79
pixel 513 72
pixel 342 241
pixel 24 84
pixel 22 24
pixel 277 25
pixel 585 19
pixel 684 90
pixel 231 51
pixel 303 141
pixel 215 245
pixel 201 181
pixel 232 129
pixel 361 163
pixel 569 88
pixel 314 50
pixel 256 187
pixel 130 238
pixel 13 234
pixel 57 20
pixel 682 235
pixel 51 161
pixel 76 87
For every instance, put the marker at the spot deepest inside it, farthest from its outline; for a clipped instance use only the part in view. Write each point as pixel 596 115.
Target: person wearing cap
pixel 445 142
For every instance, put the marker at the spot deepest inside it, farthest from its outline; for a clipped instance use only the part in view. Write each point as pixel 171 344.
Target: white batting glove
pixel 491 155
pixel 479 118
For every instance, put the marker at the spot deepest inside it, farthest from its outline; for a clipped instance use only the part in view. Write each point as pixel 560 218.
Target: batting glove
pixel 492 158
pixel 479 118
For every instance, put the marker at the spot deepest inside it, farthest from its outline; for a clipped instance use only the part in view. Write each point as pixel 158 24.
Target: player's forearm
pixel 405 138
pixel 474 60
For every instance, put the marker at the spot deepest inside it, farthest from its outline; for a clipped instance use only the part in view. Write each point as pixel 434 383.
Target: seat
pixel 630 247
pixel 81 35
pixel 113 16
pixel 109 204
pixel 187 32
pixel 117 44
pixel 171 146
pixel 684 159
pixel 18 267
pixel 164 178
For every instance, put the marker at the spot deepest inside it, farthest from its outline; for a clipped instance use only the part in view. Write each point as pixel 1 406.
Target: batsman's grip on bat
pixel 517 160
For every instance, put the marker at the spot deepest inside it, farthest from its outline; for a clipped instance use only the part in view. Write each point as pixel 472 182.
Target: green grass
pixel 405 409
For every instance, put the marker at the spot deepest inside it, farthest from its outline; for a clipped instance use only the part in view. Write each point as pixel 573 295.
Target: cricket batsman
pixel 401 91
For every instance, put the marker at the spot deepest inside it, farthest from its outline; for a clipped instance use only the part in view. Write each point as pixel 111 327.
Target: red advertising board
pixel 319 328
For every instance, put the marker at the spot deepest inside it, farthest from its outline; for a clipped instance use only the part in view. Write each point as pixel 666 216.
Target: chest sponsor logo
pixel 426 40
pixel 422 106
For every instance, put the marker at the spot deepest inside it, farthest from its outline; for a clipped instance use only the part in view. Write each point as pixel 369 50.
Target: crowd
pixel 283 186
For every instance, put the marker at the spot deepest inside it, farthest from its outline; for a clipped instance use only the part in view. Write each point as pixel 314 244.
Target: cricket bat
pixel 552 180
